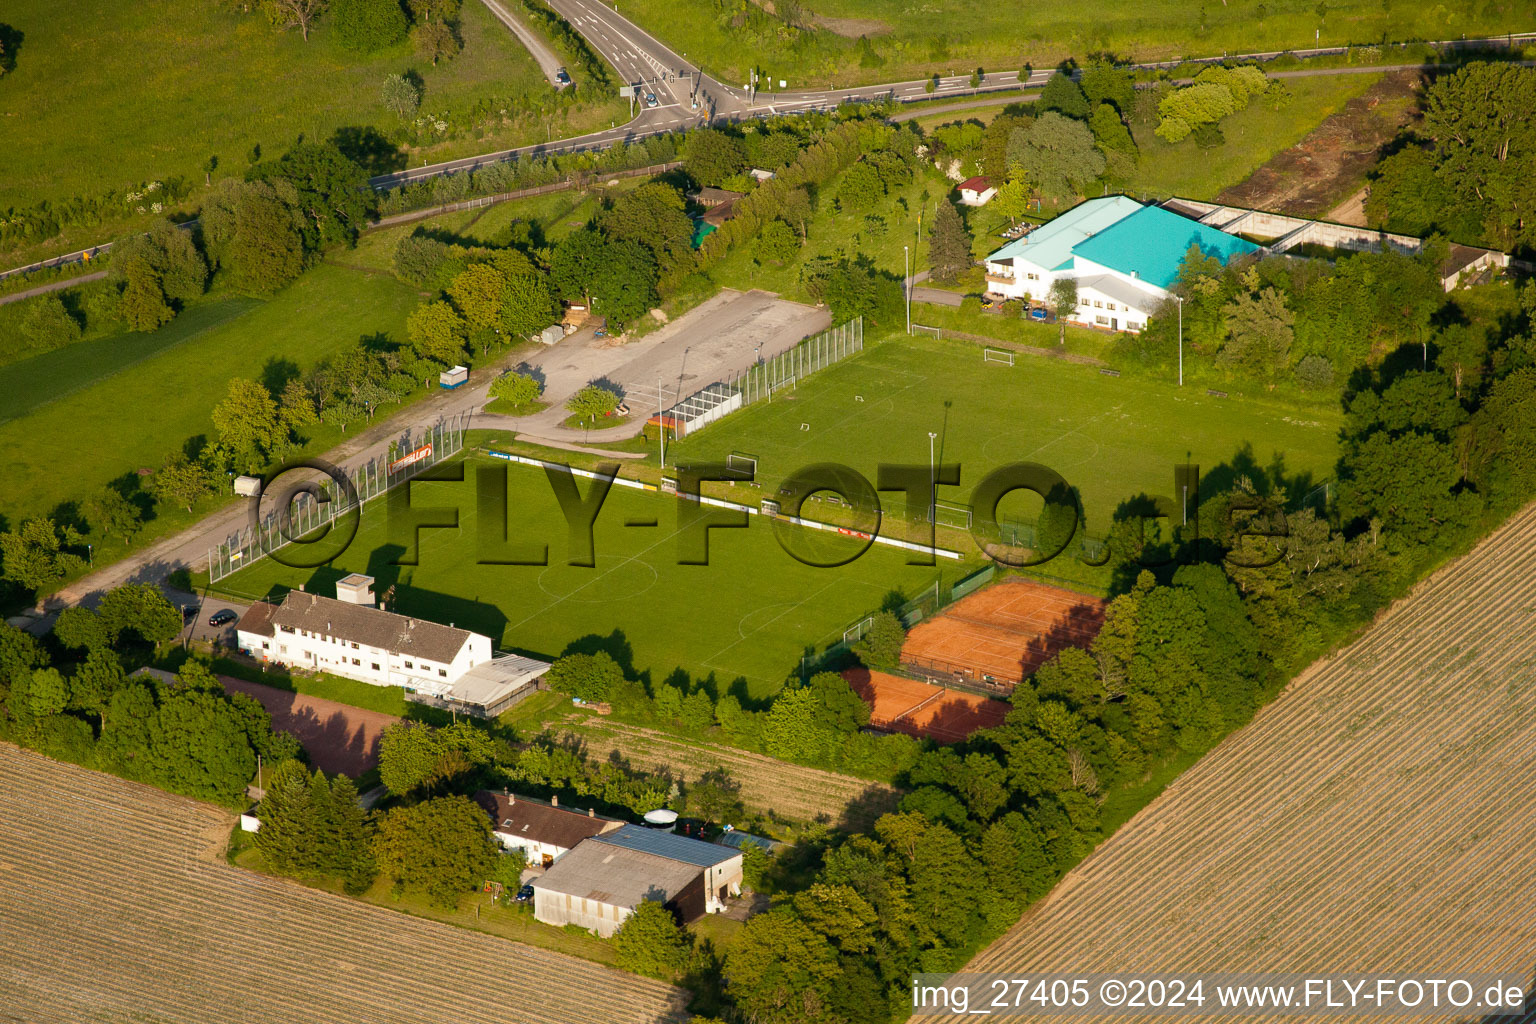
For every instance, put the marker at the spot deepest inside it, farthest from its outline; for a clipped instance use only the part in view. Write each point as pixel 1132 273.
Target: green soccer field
pixel 749 614
pixel 1111 437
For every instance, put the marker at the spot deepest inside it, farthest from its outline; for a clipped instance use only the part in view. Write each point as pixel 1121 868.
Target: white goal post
pixel 997 355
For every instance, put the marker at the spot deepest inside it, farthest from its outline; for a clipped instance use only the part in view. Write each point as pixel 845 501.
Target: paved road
pixel 52 286
pixel 537 48
pixel 724 334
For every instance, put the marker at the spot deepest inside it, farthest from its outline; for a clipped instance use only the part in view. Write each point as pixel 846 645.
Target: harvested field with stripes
pixel 116 905
pixel 897 704
pixel 792 791
pixel 997 636
pixel 1375 818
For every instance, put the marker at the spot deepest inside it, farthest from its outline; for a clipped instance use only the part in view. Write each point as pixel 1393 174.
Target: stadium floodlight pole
pixel 933 496
pixel 1181 339
pixel 906 265
pixel 661 424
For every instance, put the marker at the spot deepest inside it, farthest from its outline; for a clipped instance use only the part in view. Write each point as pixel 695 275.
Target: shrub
pixel 48 325
pixel 650 942
pixel 880 648
pixel 368 25
pixel 589 677
pixel 1314 373
pixel 1208 136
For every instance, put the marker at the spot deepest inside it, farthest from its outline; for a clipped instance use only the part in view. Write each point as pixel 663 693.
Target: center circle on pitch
pixel 614 578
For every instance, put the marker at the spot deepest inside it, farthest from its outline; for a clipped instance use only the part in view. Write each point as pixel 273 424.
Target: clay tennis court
pixel 921 709
pixel 338 737
pixel 1000 634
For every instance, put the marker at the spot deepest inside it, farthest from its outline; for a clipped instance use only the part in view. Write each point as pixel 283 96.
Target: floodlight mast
pixel 661 424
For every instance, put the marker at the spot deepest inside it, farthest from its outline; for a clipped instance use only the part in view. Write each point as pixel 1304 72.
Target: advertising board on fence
pixel 411 458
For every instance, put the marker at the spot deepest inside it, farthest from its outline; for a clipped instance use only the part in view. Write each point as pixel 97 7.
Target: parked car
pixel 222 617
pixel 189 613
pixel 562 77
pixel 524 894
pixel 650 99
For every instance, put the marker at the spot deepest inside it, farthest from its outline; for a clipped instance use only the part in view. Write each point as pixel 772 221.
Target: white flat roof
pixel 487 683
pixel 1144 299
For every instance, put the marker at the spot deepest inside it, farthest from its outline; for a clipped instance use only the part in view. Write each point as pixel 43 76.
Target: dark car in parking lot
pixel 562 77
pixel 524 894
pixel 222 618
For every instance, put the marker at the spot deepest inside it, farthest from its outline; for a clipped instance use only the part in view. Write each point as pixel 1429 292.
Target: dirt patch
pixel 852 28
pixel 338 737
pixel 1328 167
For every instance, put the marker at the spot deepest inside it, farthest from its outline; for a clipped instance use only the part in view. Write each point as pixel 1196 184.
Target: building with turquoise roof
pixel 1124 256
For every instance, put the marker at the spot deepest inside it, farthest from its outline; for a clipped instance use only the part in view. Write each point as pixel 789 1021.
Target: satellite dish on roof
pixel 661 818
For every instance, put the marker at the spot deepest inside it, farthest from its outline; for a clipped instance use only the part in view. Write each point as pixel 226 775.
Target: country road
pixel 536 47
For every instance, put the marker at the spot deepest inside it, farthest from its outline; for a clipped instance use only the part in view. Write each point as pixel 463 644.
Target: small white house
pixel 977 191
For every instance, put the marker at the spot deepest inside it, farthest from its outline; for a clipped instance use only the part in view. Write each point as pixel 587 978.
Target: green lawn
pixel 955 36
pixel 112 416
pixel 1110 437
pixel 750 613
pixel 1252 135
pixel 107 95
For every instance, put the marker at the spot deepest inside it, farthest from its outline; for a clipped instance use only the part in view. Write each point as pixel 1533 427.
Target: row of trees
pixel 370 25
pixel 818 723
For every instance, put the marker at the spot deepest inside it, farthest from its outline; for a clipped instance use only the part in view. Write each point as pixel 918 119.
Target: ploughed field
pixel 115 905
pixel 1375 818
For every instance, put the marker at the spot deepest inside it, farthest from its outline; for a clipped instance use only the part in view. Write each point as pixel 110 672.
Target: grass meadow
pixel 92 413
pixel 107 95
pixel 954 36
pixel 749 614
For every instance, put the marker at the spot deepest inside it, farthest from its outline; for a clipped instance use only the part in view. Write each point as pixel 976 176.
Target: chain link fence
pixel 419 449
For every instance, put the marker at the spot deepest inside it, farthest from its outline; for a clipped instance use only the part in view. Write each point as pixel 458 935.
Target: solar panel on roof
pixel 666 844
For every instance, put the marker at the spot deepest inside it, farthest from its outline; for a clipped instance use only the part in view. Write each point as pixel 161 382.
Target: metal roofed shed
pixel 597 886
pixel 491 687
pixel 667 844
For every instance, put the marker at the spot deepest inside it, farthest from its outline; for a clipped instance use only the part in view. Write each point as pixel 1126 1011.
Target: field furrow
pixel 767 784
pixel 1373 819
pixel 115 905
